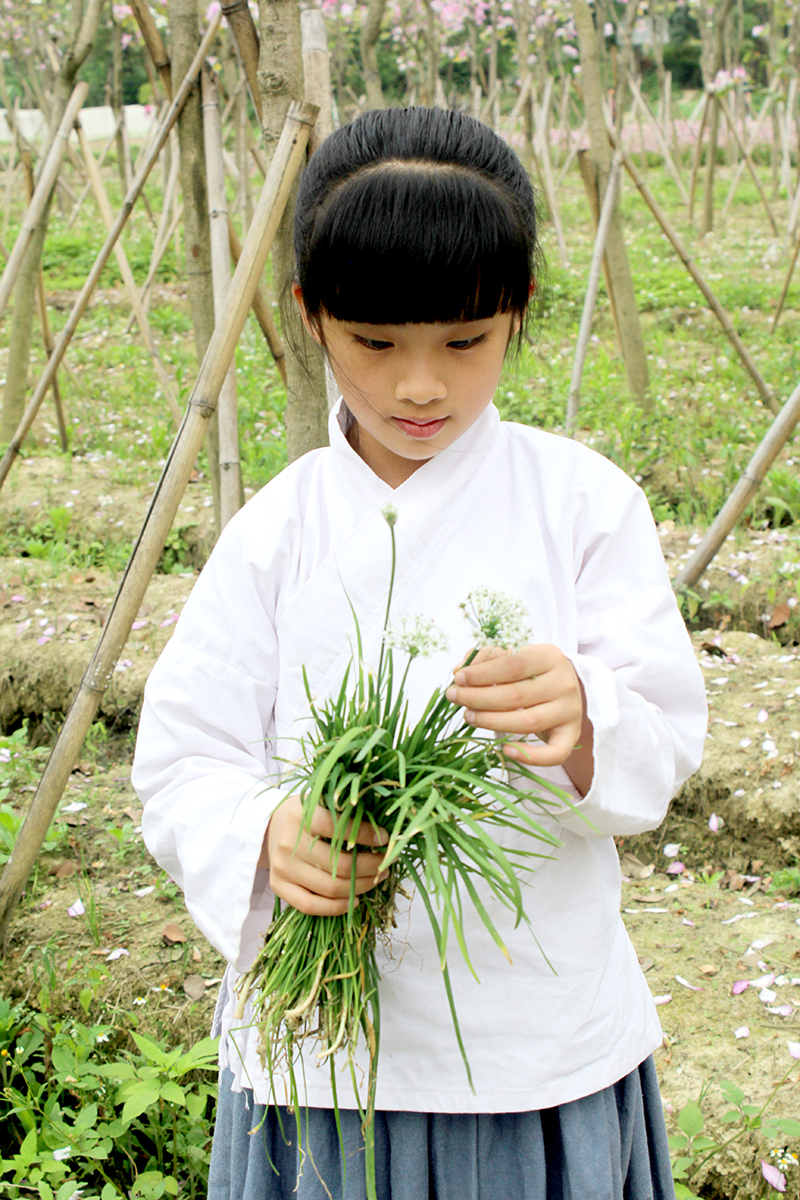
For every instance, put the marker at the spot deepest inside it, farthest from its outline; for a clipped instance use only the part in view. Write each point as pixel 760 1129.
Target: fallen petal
pixel 794 1049
pixel 686 921
pixel 672 849
pixel 676 868
pixel 742 1032
pixel 685 983
pixel 662 999
pixel 740 986
pixel 773 1176
pixel 76 910
pixel 118 953
pixel 781 1010
pixel 767 996
pixel 715 823
pixel 762 716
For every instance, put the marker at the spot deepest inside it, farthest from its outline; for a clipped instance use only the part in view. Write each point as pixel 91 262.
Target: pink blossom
pixel 608 29
pixel 714 823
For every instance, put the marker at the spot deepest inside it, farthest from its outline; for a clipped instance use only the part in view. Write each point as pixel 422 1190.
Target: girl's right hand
pixel 299 861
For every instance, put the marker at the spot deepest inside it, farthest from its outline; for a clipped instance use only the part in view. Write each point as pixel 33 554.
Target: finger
pixel 541 719
pixel 482 655
pixel 309 902
pixel 368 862
pixel 502 697
pixel 322 826
pixel 318 879
pixel 507 666
pixel 542 754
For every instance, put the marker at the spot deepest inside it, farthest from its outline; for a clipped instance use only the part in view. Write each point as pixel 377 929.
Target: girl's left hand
pixel 534 690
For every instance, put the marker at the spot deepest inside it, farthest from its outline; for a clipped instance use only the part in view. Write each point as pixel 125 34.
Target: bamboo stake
pixel 105 252
pixel 230 478
pixel 44 187
pixel 518 103
pixel 572 153
pixel 154 43
pixel 106 213
pixel 592 284
pixel 786 124
pixel 87 187
pixel 287 160
pixel 714 304
pixel 789 274
pixel 662 141
pixel 245 39
pixel 795 211
pixel 260 308
pixel 726 112
pixel 159 250
pixel 777 435
pixel 751 144
pixel 698 152
pixel 10 176
pixel 41 309
pixel 540 116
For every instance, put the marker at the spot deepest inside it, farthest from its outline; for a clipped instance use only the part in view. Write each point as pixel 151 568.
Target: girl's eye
pixel 372 343
pixel 467 343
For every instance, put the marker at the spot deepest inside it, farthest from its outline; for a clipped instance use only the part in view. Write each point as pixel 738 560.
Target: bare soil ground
pixel 696 934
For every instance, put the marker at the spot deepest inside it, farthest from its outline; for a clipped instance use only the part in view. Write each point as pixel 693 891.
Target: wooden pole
pixel 698 152
pixel 245 39
pixel 41 308
pixel 230 477
pixel 260 309
pixel 106 213
pixel 87 187
pixel 777 435
pixel 592 284
pixel 789 274
pixel 687 260
pixel 154 43
pixel 286 162
pixel 642 106
pixel 751 144
pixel 104 254
pixel 44 187
pixel 726 112
pixel 541 122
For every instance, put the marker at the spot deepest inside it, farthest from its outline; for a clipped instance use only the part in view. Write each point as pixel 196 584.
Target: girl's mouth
pixel 420 429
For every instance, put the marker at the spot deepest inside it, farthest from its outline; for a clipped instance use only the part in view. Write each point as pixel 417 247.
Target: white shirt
pixel 545 520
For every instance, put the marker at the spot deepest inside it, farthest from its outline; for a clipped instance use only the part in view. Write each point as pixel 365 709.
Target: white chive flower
pixel 415 636
pixel 389 515
pixel 497 619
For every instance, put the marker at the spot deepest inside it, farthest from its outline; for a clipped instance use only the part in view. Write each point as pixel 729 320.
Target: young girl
pixel 416 248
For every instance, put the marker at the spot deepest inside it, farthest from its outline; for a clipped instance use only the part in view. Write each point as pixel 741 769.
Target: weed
pixel 693 1148
pixel 786 881
pixel 76 1114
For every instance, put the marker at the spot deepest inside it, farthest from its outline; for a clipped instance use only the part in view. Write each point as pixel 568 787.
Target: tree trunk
pixel 87 16
pixel 369 56
pixel 623 296
pixel 280 78
pixel 184 40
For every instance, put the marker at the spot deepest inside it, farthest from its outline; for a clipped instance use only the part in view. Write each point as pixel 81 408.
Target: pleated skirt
pixel 608 1146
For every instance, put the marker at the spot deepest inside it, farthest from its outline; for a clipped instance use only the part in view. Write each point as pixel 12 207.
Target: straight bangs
pixel 415 242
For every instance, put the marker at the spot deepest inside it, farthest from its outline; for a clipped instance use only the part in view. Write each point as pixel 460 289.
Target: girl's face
pixel 414 389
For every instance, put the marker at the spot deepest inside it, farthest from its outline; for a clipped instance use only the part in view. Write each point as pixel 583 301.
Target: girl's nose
pixel 420 382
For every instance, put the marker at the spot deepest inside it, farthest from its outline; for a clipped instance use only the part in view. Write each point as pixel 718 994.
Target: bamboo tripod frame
pixel 287 160
pixel 104 254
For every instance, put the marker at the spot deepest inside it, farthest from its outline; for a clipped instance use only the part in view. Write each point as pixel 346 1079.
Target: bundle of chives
pixel 437 788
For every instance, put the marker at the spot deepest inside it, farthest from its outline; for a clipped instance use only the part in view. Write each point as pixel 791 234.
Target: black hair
pixel 415 215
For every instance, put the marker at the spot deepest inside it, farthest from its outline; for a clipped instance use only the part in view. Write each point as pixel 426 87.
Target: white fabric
pixel 546 520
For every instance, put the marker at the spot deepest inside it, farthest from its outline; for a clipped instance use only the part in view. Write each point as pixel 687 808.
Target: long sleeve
pixel 644 689
pixel 203 768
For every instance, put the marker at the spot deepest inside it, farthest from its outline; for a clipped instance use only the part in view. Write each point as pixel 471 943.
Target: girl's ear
pixel 311 327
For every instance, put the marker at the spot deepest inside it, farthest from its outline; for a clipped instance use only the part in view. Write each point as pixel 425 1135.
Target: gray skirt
pixel 608 1146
